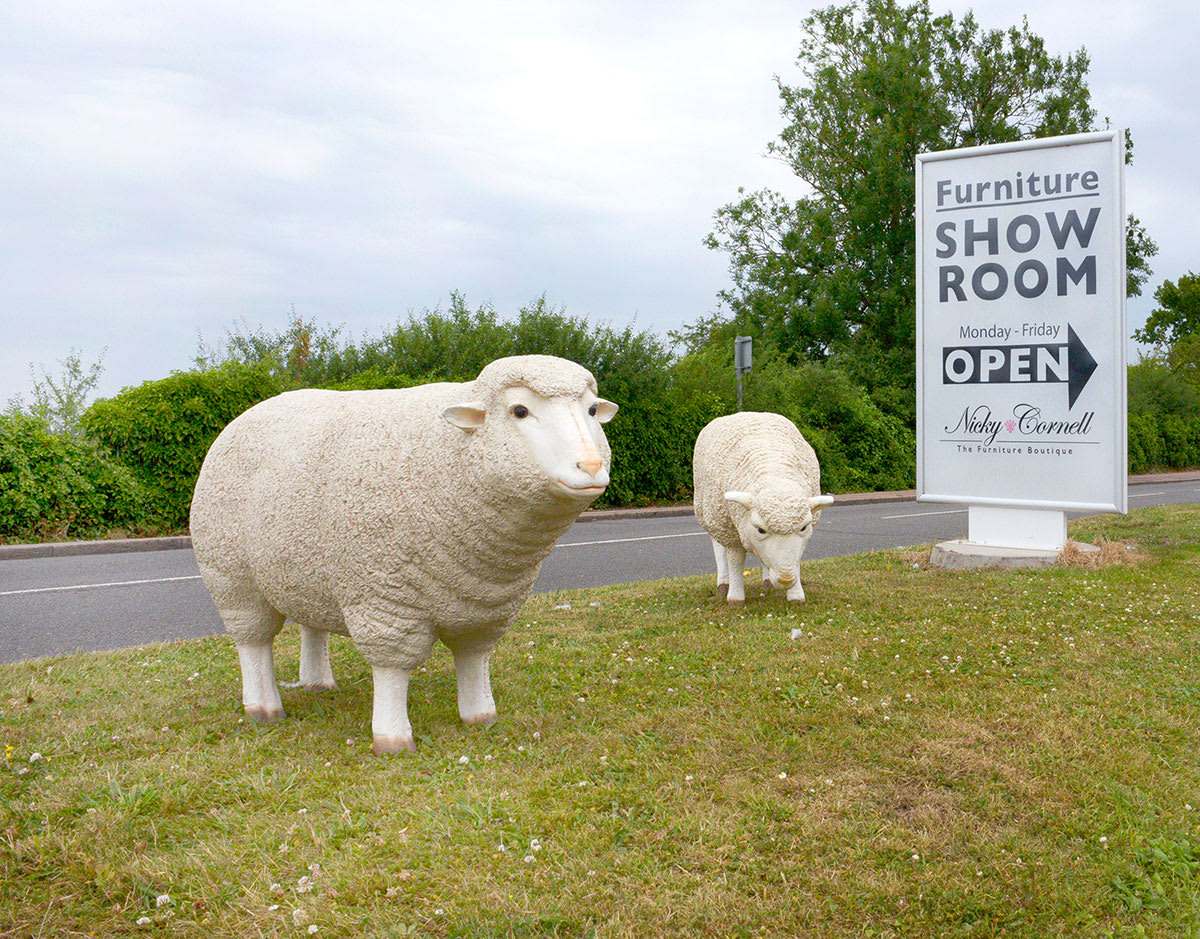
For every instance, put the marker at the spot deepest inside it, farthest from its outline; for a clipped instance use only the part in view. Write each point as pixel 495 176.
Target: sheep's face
pixel 776 529
pixel 559 434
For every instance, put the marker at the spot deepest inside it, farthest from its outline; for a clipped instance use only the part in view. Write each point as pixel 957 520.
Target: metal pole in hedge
pixel 742 360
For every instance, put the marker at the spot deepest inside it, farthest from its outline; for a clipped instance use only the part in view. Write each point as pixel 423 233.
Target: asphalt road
pixel 109 601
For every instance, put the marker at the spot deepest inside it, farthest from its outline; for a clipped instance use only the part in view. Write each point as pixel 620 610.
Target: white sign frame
pixel 1024 481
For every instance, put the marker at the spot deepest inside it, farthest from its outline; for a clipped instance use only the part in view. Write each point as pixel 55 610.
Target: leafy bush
pixel 55 486
pixel 162 429
pixel 1164 418
pixel 652 439
pixel 860 447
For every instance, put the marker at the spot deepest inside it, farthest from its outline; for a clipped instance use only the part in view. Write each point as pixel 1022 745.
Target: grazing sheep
pixel 757 489
pixel 397 518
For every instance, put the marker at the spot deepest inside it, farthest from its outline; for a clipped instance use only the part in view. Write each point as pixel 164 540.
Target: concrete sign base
pixel 968 555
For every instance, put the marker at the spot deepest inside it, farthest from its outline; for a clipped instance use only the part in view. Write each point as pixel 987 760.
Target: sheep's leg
pixel 768 577
pixel 722 568
pixel 475 702
pixel 253 623
pixel 735 562
pixel 260 693
pixel 316 674
pixel 795 593
pixel 389 719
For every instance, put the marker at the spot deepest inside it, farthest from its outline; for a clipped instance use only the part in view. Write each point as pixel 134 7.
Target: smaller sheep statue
pixel 398 518
pixel 757 490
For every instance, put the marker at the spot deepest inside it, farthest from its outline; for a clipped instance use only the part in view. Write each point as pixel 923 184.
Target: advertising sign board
pixel 1020 306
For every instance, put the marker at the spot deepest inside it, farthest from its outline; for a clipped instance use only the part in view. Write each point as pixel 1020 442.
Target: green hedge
pixel 55 486
pixel 860 448
pixel 162 429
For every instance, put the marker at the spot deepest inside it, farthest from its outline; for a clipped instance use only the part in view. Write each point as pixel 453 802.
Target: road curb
pixel 16 552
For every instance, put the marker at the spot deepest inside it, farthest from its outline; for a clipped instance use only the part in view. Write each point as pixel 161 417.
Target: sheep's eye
pixel 592 411
pixel 761 531
pixel 803 529
pixel 520 412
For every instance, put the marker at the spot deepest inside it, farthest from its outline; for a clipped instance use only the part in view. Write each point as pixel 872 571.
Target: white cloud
pixel 170 168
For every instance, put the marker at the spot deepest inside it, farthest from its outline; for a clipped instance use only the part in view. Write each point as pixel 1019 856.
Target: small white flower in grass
pixel 301 811
pixel 144 921
pixel 34 757
pixel 537 735
pixel 581 700
pixel 502 848
pixel 528 859
pixel 535 845
pixel 439 912
pixel 521 749
pixel 1188 807
pixel 300 916
pixel 275 888
pixel 272 908
pixel 687 778
pixel 916 857
pixel 313 929
pixel 162 900
pixel 304 884
pixel 783 775
pixel 1103 839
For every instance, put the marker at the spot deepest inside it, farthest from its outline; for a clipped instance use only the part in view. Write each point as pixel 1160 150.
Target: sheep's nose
pixel 591 466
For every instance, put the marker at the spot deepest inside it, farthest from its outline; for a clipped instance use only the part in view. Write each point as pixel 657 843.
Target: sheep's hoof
pixel 320 686
pixel 736 602
pixel 481 720
pixel 262 715
pixel 384 745
pixel 722 590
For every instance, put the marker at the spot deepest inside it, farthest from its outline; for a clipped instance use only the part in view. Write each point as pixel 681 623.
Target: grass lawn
pixel 941 754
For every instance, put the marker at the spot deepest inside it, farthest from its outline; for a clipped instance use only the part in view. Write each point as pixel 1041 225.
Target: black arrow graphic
pixel 1080 365
pixel 1045 362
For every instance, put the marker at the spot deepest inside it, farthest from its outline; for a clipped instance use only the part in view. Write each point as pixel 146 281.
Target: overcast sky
pixel 167 169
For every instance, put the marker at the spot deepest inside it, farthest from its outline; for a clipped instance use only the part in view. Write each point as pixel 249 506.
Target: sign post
pixel 1021 404
pixel 743 347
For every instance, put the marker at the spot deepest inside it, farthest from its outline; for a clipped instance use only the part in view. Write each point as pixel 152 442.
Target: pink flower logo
pixel 1010 425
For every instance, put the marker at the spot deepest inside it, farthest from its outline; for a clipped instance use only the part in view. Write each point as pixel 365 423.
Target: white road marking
pixel 919 514
pixel 116 583
pixel 1136 495
pixel 686 534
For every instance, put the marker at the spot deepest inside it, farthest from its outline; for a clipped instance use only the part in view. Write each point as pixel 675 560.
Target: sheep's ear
pixel 605 410
pixel 744 499
pixel 816 503
pixel 469 416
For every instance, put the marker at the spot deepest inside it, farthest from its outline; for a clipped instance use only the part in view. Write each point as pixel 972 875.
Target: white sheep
pixel 398 518
pixel 756 489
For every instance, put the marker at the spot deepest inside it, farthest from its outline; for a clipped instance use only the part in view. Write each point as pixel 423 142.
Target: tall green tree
pixel 1177 314
pixel 831 273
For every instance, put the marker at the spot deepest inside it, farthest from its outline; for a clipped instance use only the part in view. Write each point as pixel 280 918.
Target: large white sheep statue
pixel 757 489
pixel 395 517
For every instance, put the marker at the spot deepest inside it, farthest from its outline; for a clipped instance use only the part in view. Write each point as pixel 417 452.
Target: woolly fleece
pixel 760 453
pixel 367 513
